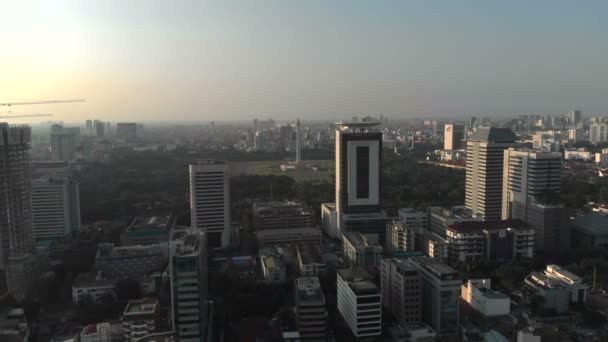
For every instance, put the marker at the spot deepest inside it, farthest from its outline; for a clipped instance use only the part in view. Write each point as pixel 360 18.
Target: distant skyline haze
pixel 233 60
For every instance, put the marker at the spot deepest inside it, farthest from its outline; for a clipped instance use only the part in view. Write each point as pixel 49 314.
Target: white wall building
pixel 210 201
pixel 485 149
pixel 100 332
pixel 578 289
pixel 361 251
pixel 479 294
pixel 413 218
pixel 90 284
pixel 359 302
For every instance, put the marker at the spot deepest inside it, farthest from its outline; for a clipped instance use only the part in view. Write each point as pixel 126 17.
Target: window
pixel 362 171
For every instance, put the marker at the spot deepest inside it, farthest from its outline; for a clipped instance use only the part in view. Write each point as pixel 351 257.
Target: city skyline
pixel 199 61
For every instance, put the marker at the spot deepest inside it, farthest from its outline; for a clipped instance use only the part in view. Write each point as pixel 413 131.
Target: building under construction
pixel 16 233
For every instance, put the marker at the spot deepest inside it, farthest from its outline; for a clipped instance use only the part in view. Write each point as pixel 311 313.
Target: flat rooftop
pixel 141 306
pixel 477 226
pixel 309 290
pixel 310 254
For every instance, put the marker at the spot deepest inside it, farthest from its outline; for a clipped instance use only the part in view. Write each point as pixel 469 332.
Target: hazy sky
pixel 199 60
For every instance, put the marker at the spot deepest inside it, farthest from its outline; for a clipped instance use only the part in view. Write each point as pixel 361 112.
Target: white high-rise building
pixel 63 143
pixel 453 137
pixel 55 206
pixel 210 201
pixel 528 173
pixel 485 157
pixel 359 302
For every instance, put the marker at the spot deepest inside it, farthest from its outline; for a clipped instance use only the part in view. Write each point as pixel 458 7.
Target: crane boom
pixel 9 104
pixel 23 116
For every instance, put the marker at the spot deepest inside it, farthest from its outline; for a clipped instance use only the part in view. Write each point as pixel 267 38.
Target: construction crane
pixel 10 104
pixel 31 102
pixel 21 115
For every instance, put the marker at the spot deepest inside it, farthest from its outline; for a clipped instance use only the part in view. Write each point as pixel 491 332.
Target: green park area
pixel 308 170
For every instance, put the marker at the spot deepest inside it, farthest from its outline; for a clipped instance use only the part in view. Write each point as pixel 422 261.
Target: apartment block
pixel 141 318
pixel 401 291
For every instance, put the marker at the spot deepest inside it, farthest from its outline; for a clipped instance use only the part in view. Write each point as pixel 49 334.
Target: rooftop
pixel 594 223
pixel 493 135
pixel 142 223
pixel 477 226
pixel 92 329
pixel 142 306
pixel 359 240
pixel 309 290
pixel 310 254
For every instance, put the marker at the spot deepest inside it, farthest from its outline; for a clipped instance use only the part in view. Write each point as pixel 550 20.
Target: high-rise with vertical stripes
pixel 210 201
pixel 485 158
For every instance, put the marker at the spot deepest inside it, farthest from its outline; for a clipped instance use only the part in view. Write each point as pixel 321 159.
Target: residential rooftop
pixel 142 306
pixel 309 290
pixel 310 254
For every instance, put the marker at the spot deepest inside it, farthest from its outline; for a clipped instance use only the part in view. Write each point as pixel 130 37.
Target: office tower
pixel 485 149
pixel 454 134
pixel 16 233
pixel 55 206
pixel 63 143
pixel 311 314
pixel 358 162
pixel 526 174
pixel 440 286
pixel 400 237
pixel 359 302
pixel 99 129
pixel 598 133
pixel 210 201
pixel 190 309
pixel 298 138
pixel 126 131
pixel 575 117
pixel 551 221
pixel 401 291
